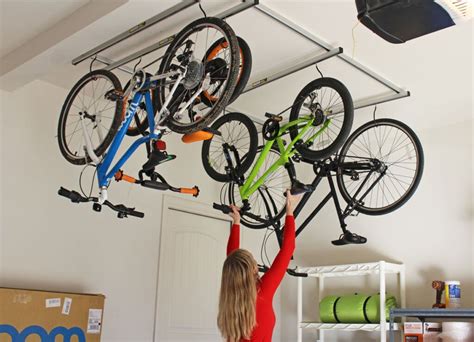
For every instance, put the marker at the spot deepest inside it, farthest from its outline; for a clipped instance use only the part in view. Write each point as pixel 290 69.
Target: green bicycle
pixel 320 121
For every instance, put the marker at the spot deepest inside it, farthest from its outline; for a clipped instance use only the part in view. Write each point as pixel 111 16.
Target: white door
pixel 192 251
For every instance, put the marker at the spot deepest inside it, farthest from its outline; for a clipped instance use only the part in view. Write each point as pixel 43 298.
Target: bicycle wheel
pixel 139 123
pixel 237 131
pixel 325 99
pixel 102 116
pixel 393 159
pixel 219 49
pixel 269 201
pixel 188 50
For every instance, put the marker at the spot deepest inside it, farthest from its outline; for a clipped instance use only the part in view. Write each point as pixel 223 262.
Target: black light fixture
pixel 398 21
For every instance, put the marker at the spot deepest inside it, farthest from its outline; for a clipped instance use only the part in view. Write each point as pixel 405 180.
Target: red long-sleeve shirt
pixel 270 280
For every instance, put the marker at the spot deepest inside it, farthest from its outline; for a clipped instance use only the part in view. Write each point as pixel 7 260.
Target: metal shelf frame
pixel 380 268
pixel 395 92
pixel 421 314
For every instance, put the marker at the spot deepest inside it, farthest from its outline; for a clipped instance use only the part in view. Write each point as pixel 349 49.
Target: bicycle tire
pixel 220 175
pixel 266 200
pixel 362 132
pixel 117 118
pixel 348 109
pixel 230 85
pixel 245 68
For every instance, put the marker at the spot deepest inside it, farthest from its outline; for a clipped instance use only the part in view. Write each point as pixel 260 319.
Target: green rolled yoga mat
pixel 372 308
pixel 326 309
pixel 350 309
pixel 354 308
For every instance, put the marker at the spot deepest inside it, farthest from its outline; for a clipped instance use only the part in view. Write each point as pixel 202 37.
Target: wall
pixel 431 234
pixel 49 243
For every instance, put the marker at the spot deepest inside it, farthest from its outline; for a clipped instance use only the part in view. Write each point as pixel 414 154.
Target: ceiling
pixel 436 66
pixel 39 14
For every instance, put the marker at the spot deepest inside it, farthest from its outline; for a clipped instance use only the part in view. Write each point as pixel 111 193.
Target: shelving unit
pixel 381 268
pixel 421 314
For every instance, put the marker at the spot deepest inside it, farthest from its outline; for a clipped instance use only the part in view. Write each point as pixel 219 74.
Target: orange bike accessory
pixel 196 136
pixel 120 176
pixel 191 191
pixel 212 55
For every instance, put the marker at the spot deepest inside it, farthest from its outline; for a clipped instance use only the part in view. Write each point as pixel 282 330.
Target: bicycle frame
pixel 104 170
pixel 286 152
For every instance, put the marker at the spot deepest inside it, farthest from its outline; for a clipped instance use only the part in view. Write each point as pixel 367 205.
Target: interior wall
pixel 432 235
pixel 49 243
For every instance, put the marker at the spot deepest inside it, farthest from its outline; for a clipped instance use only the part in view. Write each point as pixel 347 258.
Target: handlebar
pixel 226 209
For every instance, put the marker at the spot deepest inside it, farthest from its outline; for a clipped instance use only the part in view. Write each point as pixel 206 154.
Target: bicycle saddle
pixel 349 238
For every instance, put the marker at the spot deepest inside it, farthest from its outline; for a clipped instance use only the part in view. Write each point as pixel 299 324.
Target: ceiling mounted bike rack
pixel 395 92
pixel 120 64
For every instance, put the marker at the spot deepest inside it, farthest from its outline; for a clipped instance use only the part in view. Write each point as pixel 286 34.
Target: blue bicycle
pixel 198 76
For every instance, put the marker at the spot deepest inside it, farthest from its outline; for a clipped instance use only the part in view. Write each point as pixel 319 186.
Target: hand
pixel 235 214
pixel 291 202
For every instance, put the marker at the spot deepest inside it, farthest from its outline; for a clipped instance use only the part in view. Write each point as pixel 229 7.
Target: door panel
pixel 192 251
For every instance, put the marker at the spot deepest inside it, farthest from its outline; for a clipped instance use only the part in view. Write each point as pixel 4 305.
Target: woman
pixel 245 303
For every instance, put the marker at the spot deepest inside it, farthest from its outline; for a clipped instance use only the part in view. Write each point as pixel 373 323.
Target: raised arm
pixel 234 238
pixel 273 277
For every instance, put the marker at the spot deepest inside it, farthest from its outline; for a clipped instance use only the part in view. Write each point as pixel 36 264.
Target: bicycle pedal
pixel 97 207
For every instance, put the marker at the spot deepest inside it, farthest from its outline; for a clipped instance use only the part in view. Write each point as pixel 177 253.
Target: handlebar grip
pixel 136 213
pixel 191 191
pixel 64 192
pixel 222 207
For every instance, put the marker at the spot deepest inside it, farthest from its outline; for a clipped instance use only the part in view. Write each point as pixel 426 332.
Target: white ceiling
pixel 431 67
pixel 22 20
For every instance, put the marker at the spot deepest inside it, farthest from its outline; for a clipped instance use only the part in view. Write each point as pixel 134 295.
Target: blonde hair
pixel 237 312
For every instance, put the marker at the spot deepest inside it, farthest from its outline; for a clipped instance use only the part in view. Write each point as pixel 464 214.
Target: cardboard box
pixel 431 332
pixel 422 332
pixel 38 316
pixel 413 331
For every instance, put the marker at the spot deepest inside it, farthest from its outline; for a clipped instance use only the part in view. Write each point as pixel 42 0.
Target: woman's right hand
pixel 235 214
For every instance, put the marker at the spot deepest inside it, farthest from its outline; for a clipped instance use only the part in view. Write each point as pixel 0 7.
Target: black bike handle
pixel 64 192
pixel 226 210
pixel 222 207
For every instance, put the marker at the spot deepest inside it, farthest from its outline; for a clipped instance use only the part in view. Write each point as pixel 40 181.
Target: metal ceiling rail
pixel 226 14
pixel 398 92
pixel 134 30
pixel 294 68
pixel 245 4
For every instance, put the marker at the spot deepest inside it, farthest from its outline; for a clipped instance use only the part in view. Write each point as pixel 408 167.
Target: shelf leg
pixel 300 309
pixel 321 294
pixel 383 319
pixel 403 300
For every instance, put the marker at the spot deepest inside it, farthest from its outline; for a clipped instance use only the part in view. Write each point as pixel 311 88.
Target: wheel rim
pixel 235 134
pixel 268 201
pixel 325 103
pixel 202 35
pixel 399 156
pixel 89 99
